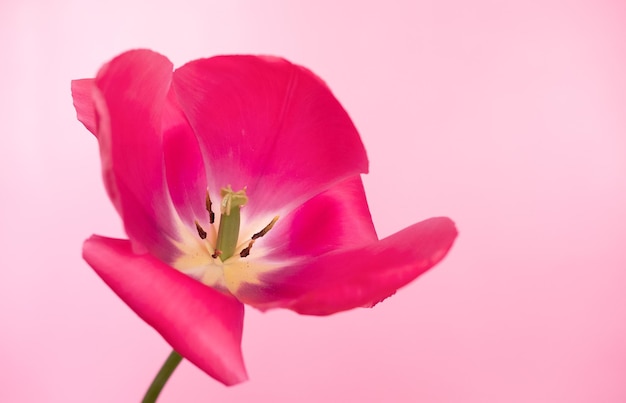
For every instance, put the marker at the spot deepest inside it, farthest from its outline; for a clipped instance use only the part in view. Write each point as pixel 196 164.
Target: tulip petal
pixel 184 166
pixel 202 324
pixel 82 95
pixel 130 99
pixel 270 126
pixel 337 218
pixel 357 277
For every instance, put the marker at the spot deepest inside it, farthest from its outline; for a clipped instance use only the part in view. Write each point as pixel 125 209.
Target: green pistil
pixel 228 232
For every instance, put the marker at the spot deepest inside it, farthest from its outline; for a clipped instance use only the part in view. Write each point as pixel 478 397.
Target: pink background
pixel 509 117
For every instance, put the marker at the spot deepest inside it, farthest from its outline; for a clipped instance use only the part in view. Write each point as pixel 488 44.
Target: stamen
pixel 246 251
pixel 201 230
pixel 209 206
pixel 265 230
pixel 216 254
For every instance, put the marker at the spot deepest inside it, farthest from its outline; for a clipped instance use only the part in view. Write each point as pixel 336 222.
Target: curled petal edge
pixel 82 91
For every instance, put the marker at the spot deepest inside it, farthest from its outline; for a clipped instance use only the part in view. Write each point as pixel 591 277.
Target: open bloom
pixel 238 182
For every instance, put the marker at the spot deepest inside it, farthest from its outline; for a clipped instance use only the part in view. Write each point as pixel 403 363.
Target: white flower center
pixel 218 258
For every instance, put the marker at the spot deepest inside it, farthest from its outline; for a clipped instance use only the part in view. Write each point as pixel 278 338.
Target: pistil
pixel 230 220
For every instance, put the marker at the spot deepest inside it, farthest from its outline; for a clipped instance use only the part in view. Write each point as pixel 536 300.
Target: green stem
pixel 164 374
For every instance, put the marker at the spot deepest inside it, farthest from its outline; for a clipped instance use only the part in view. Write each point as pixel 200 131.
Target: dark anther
pixel 216 254
pixel 246 251
pixel 209 205
pixel 265 230
pixel 201 231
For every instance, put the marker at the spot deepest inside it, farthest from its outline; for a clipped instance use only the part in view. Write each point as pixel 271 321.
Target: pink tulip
pixel 177 146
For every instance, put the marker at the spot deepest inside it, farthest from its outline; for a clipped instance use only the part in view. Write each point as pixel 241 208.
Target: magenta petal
pixel 130 101
pixel 268 125
pixel 203 325
pixel 184 166
pixel 356 277
pixel 82 95
pixel 336 218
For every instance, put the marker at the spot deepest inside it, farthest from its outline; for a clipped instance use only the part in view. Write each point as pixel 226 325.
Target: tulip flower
pixel 237 179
